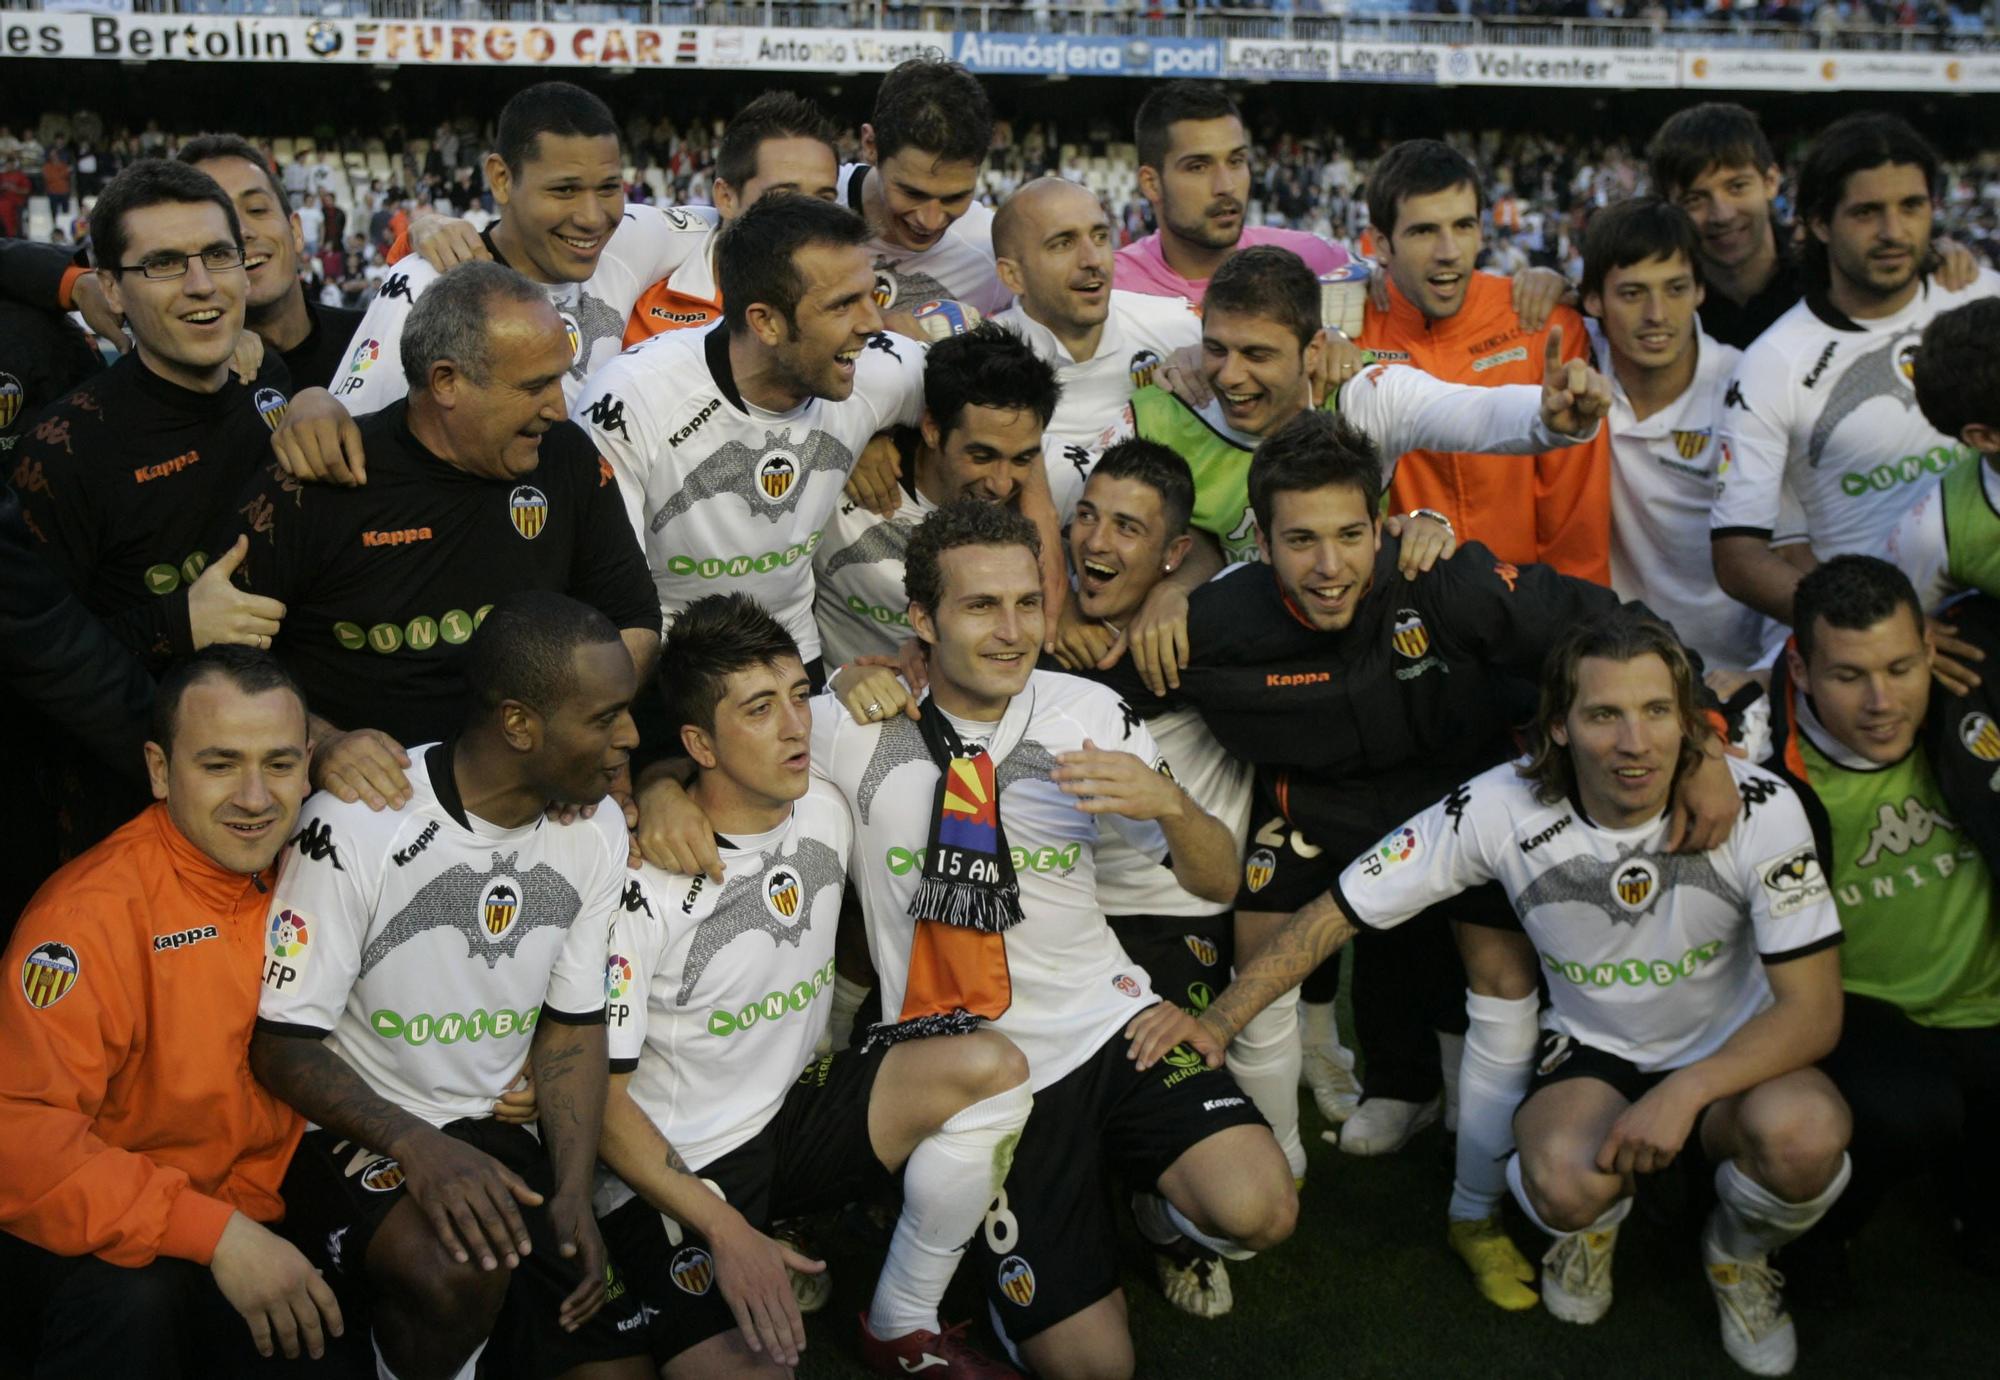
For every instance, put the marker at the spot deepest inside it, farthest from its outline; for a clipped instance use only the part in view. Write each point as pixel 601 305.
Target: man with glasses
pixel 120 480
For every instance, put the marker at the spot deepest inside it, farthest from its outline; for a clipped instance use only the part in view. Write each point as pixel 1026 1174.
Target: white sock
pixel 948 1183
pixel 1322 1027
pixel 1499 1056
pixel 847 998
pixel 1223 1246
pixel 1264 1059
pixel 1610 1217
pixel 1451 1062
pixel 1749 1220
pixel 464 1372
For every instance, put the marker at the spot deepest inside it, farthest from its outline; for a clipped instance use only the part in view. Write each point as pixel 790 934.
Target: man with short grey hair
pixel 478 486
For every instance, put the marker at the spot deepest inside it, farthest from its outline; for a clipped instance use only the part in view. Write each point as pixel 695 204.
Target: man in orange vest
pixel 1424 201
pixel 139 1161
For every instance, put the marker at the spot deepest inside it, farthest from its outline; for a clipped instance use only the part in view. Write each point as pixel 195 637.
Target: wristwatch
pixel 1439 518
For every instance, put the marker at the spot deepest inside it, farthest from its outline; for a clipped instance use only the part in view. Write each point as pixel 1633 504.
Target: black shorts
pixel 1560 1057
pixel 1188 957
pixel 1048 1248
pixel 813 1155
pixel 1283 870
pixel 337 1195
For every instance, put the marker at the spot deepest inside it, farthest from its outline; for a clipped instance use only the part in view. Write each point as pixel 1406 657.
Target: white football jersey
pixel 1072 985
pixel 1652 956
pixel 958 268
pixel 428 943
pixel 1140 333
pixel 859 601
pixel 724 495
pixel 1130 882
pixel 717 995
pixel 650 243
pixel 1826 403
pixel 1662 487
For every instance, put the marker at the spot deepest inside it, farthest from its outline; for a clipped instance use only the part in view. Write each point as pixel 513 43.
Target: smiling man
pixel 1642 285
pixel 1689 992
pixel 133 1152
pixel 557 173
pixel 1823 405
pixel 1424 200
pixel 976 832
pixel 918 188
pixel 309 336
pixel 415 957
pixel 987 399
pixel 730 446
pixel 1903 776
pixel 1053 242
pixel 479 489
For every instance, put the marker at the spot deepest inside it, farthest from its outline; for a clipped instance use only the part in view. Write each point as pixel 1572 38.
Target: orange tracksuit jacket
pixel 130 1126
pixel 1563 517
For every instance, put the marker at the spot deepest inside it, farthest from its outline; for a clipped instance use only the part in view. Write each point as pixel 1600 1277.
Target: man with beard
pixel 1822 404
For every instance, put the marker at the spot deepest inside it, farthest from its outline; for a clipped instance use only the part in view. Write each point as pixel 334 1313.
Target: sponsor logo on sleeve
pixel 1398 848
pixel 1792 882
pixel 289 943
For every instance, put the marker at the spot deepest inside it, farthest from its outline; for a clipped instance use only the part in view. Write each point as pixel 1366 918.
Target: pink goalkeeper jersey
pixel 1142 268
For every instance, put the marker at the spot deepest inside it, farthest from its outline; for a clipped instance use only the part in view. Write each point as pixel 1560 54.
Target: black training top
pixel 123 479
pixel 1357 730
pixel 1731 324
pixel 314 361
pixel 383 583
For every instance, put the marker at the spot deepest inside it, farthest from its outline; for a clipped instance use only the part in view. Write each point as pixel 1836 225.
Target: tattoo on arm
pixel 325 1089
pixel 571 1079
pixel 1301 945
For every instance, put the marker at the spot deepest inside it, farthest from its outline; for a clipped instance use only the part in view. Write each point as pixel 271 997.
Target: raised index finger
pixel 1552 353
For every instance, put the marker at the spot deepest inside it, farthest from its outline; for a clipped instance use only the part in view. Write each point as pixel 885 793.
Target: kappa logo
pixel 1410 637
pixel 180 939
pixel 1216 1104
pixel 1756 790
pixel 528 509
pixel 402 856
pixel 1897 831
pixel 315 841
pixel 1204 949
pixel 1455 803
pixel 271 405
pixel 634 899
pixel 692 1270
pixel 1142 367
pixel 1017 1281
pixel 883 342
pixel 396 285
pixel 1635 883
pixel 608 414
pixel 694 893
pixel 1690 444
pixel 694 423
pixel 776 474
pixel 49 973
pixel 1556 1050
pixel 1814 375
pixel 1733 397
pixel 1259 868
pixel 1980 737
pixel 498 906
pixel 1529 845
pixel 783 893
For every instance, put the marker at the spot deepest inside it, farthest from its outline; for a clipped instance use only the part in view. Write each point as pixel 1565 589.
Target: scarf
pixel 967 900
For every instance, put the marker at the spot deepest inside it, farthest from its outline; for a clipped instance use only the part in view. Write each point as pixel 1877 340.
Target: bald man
pixel 1052 245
